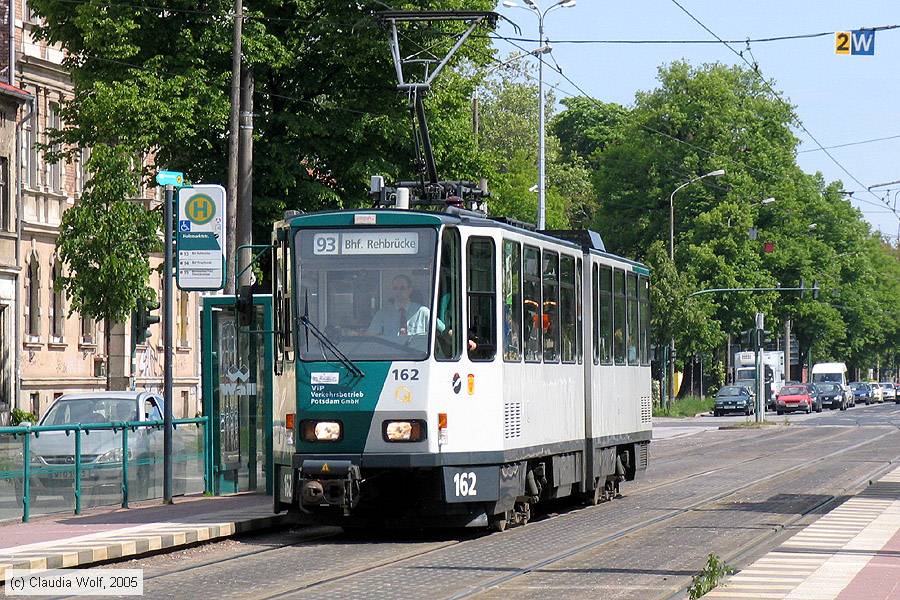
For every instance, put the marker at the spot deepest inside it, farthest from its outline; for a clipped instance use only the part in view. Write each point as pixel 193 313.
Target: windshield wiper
pixel 327 343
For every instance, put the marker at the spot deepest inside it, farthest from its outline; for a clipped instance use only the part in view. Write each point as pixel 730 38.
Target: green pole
pixel 203 433
pixel 26 484
pixel 125 466
pixel 78 471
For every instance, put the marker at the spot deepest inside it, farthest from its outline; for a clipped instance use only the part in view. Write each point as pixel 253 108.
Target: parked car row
pixel 805 397
pixel 871 392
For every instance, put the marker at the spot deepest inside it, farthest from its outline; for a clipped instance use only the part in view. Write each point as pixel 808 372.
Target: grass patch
pixel 712 574
pixel 685 407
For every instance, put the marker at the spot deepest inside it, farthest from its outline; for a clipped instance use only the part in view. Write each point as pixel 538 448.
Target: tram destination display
pixel 382 242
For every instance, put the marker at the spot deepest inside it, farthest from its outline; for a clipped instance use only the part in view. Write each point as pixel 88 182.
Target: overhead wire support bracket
pixel 416 87
pixel 473 18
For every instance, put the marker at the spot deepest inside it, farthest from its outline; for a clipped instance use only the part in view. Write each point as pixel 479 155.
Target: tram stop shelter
pixel 237 394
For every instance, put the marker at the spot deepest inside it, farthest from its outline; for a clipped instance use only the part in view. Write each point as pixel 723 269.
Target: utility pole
pixel 167 349
pixel 233 140
pixel 245 176
pixel 757 344
pixel 787 349
pixel 541 209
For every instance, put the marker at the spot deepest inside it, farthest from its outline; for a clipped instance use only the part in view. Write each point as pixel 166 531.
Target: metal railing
pixel 29 460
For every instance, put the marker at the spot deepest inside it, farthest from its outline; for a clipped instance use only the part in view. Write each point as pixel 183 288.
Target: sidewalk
pixel 851 553
pixel 69 541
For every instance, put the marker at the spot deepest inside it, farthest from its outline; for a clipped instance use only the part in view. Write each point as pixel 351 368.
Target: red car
pixel 794 397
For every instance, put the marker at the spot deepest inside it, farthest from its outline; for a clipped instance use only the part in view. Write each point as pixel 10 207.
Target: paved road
pixel 734 492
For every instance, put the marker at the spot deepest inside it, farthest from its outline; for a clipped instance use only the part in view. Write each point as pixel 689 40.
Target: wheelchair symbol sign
pixel 184 226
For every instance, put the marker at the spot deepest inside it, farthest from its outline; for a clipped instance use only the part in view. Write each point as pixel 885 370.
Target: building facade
pixel 61 352
pixel 11 98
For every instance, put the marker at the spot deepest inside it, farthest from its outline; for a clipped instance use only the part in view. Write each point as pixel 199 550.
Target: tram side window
pixel 595 311
pixel 482 297
pixel 633 336
pixel 567 317
pixel 531 304
pixel 606 315
pixel 448 340
pixel 550 306
pixel 619 316
pixel 644 300
pixel 579 312
pixel 512 301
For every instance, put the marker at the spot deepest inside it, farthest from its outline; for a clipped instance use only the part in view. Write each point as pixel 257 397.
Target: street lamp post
pixel 671 374
pixel 532 6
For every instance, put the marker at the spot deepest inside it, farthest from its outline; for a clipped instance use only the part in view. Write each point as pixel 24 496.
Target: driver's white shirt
pixel 386 321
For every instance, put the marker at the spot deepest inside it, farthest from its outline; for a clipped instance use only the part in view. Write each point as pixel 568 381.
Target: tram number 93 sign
pixel 200 263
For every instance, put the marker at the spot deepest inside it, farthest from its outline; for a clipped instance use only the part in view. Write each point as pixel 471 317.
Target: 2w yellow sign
pixel 859 42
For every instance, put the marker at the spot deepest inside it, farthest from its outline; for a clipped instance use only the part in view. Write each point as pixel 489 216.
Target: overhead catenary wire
pixel 765 82
pixel 257 17
pixel 847 144
pixel 653 130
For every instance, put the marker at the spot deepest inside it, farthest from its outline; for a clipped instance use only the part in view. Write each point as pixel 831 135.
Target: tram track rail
pixel 640 526
pixel 656 521
pixel 340 536
pixel 746 551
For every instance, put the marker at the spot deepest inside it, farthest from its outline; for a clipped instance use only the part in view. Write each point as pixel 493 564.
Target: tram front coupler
pixel 329 483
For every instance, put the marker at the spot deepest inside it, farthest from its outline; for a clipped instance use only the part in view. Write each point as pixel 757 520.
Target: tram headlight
pixel 321 431
pixel 412 430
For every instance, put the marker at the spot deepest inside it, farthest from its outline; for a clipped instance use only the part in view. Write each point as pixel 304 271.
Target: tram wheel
pixel 499 522
pixel 595 496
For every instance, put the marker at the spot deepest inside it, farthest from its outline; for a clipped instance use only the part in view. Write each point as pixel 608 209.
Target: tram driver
pixel 401 316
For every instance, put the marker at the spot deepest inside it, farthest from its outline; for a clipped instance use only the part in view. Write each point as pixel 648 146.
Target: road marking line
pixel 729 594
pixel 754 571
pixel 795 580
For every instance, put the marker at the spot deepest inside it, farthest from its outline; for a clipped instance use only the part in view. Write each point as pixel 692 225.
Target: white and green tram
pixel 445 368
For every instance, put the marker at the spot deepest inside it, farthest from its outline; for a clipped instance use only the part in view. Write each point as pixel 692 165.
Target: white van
pixel 833 373
pixel 830 373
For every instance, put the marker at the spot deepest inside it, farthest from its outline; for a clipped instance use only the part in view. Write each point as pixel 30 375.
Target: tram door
pixel 237 394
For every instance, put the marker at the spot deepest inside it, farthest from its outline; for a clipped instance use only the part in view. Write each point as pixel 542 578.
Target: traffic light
pixel 143 318
pixel 244 305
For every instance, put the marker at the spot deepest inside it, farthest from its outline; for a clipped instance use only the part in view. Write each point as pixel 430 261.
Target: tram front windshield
pixel 369 291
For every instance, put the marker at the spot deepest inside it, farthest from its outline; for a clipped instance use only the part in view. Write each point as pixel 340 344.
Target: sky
pixel 839 98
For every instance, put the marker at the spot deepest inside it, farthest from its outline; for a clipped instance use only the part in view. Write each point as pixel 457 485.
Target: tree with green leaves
pixel 508 134
pixel 328 114
pixel 106 241
pixel 712 117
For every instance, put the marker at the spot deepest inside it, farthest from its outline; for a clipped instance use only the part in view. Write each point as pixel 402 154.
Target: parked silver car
pixel 52 455
pixel 889 391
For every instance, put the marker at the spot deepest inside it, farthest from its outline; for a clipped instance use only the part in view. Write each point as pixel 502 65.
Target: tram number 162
pixel 465 484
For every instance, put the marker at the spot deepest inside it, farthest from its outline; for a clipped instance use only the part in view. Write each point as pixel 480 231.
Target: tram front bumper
pixel 329 482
